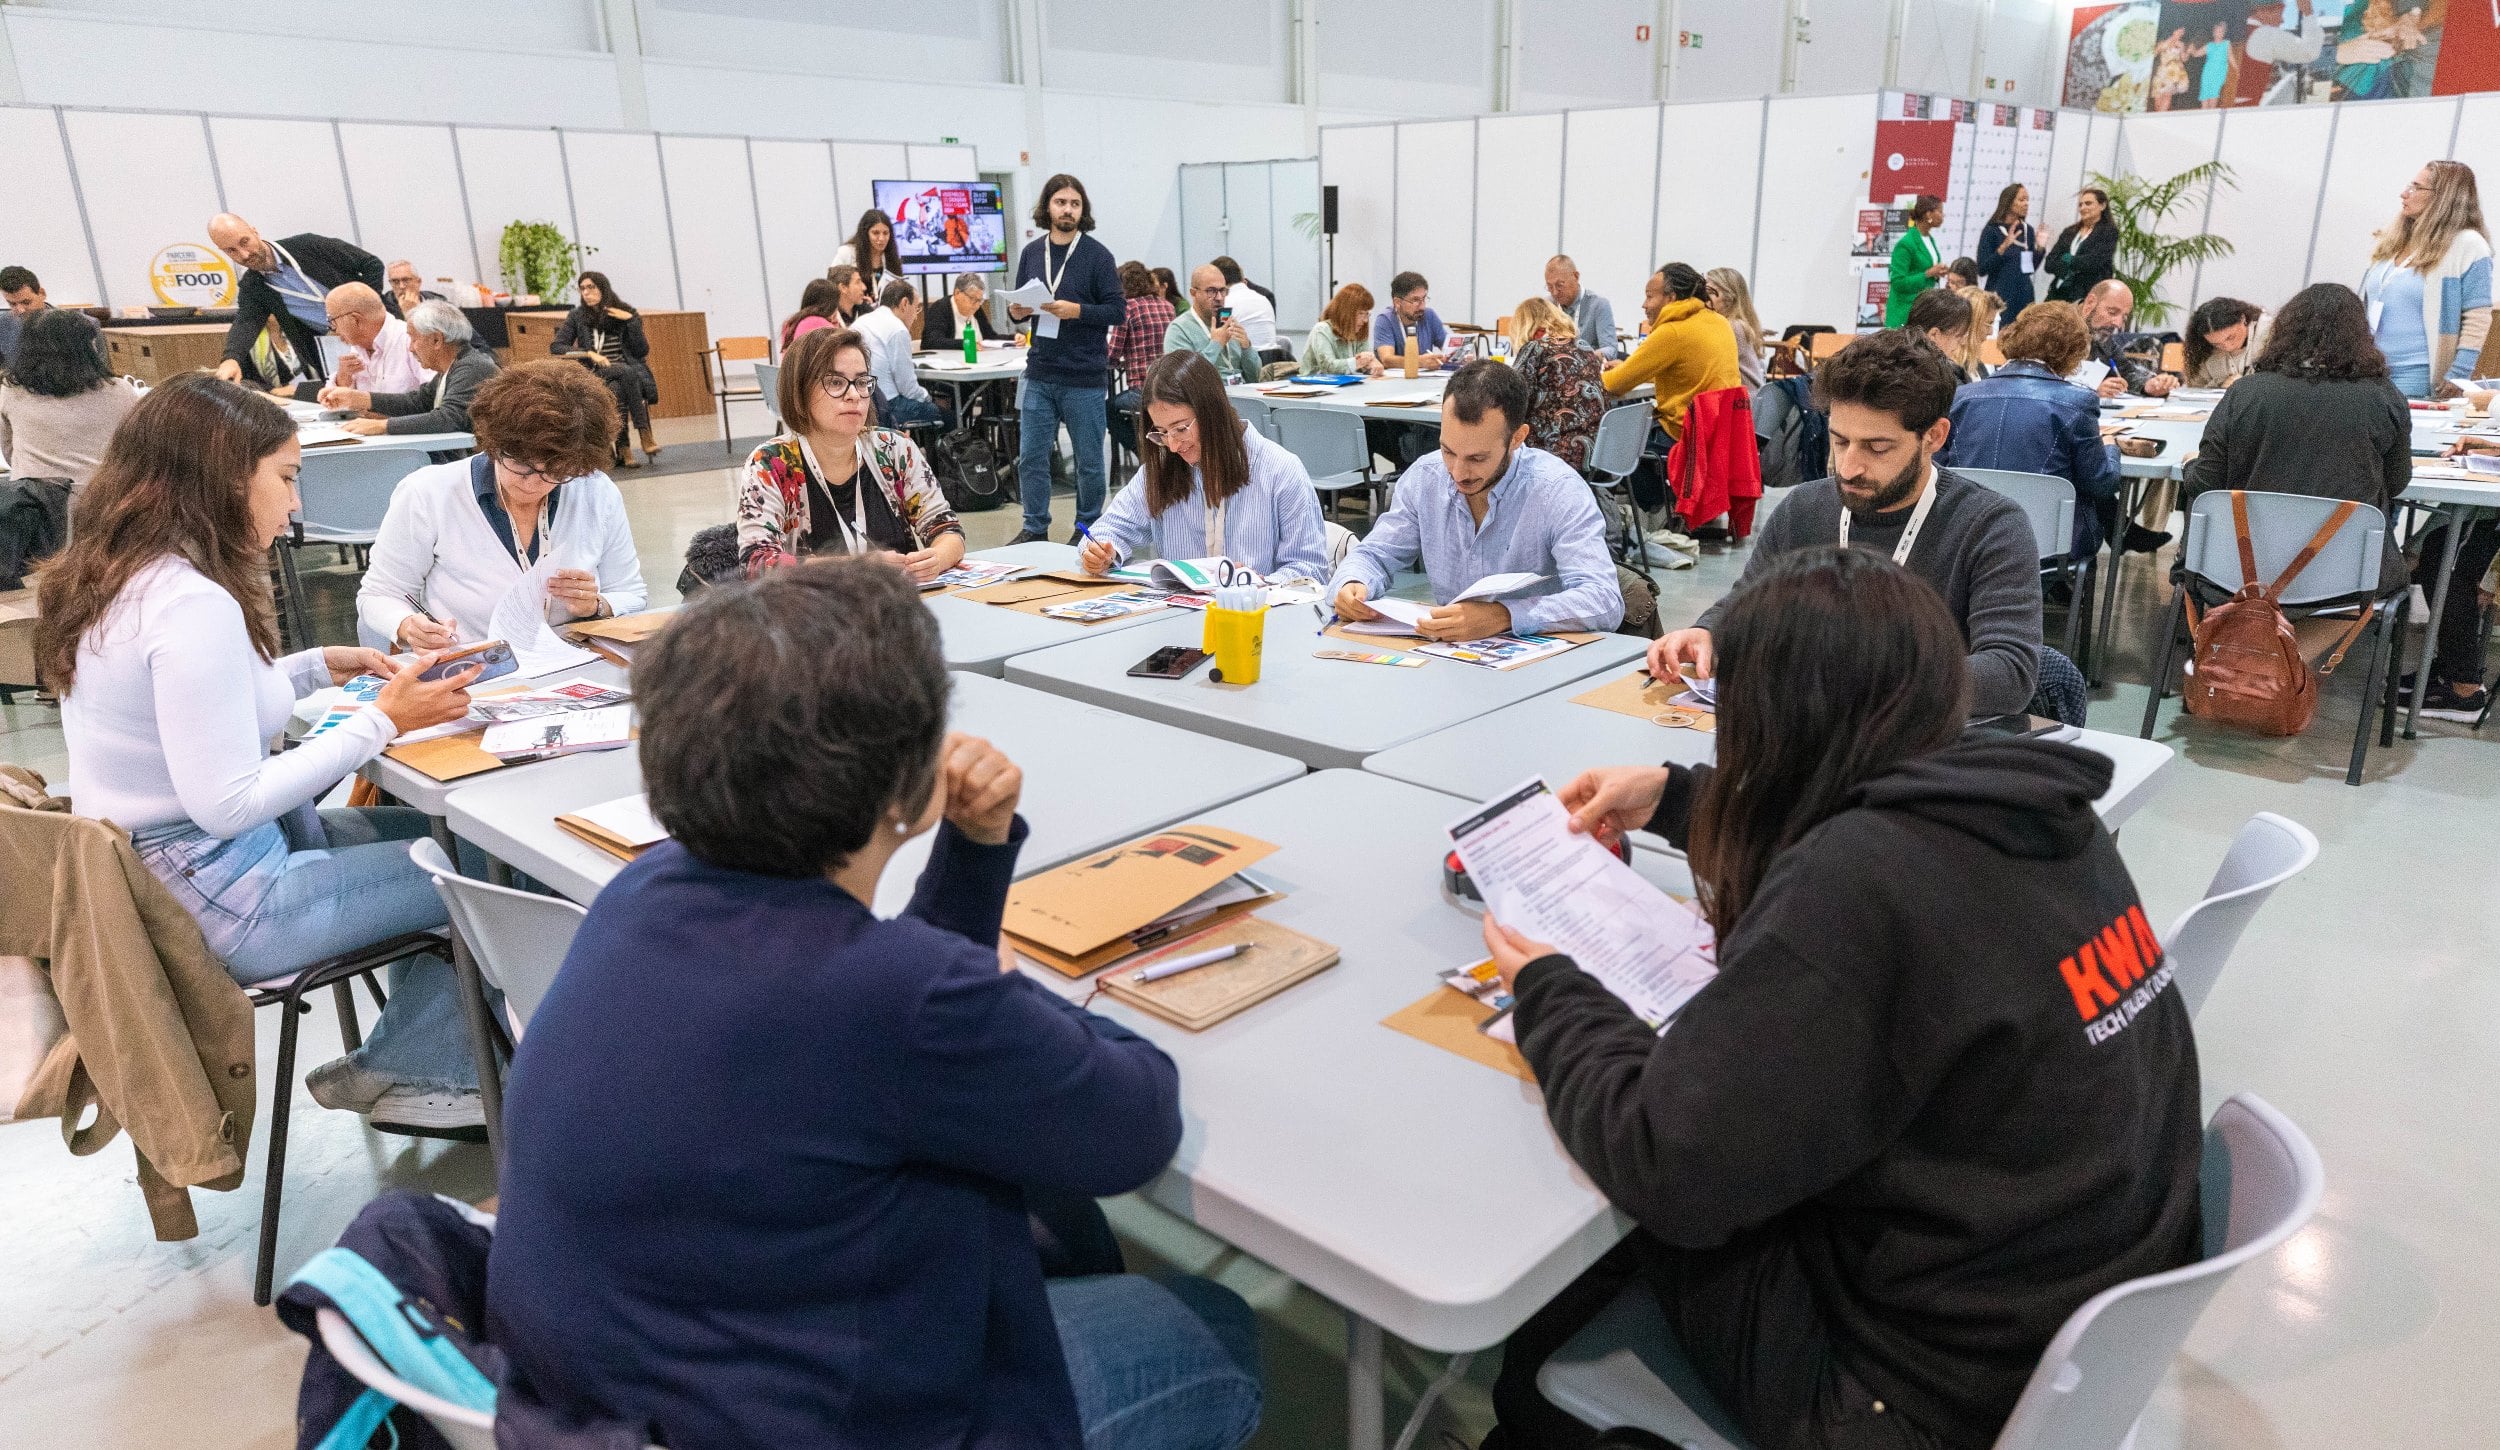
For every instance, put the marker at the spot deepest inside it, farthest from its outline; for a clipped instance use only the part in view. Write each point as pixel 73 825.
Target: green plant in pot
pixel 2141 207
pixel 538 259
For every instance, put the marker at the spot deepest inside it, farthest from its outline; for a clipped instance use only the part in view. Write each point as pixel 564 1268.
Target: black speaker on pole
pixel 1328 210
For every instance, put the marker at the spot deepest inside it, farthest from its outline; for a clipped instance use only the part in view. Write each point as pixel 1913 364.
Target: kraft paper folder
pixel 1454 1022
pixel 1276 958
pixel 1640 697
pixel 623 828
pixel 457 757
pixel 1043 591
pixel 1082 916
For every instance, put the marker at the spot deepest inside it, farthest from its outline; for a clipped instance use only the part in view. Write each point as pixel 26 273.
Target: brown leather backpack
pixel 2246 668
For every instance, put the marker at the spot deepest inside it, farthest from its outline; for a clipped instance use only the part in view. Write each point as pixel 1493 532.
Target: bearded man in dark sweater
pixel 1888 396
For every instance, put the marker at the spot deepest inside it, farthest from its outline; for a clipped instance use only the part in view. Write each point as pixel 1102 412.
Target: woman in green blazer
pixel 1915 265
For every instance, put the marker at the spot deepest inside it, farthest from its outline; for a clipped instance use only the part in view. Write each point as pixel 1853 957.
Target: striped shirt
pixel 1541 519
pixel 1272 524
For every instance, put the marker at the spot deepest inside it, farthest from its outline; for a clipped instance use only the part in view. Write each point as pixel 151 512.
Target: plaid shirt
pixel 1138 340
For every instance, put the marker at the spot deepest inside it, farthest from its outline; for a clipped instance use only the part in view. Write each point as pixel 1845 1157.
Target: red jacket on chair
pixel 1716 467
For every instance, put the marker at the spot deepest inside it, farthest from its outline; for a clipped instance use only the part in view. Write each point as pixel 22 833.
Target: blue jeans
pixel 1158 1366
pixel 312 885
pixel 1043 407
pixel 902 412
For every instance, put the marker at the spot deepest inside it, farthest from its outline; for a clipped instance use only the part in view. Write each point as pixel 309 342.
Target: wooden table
pixel 678 341
pixel 156 354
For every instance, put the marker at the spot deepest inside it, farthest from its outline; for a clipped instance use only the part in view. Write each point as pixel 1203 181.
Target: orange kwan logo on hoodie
pixel 2115 975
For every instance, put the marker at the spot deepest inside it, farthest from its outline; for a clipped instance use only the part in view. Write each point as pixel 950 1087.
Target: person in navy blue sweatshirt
pixel 1067 376
pixel 769 1155
pixel 1940 1092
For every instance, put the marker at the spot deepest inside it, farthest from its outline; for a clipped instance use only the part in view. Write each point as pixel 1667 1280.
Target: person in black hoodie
pixel 1940 1092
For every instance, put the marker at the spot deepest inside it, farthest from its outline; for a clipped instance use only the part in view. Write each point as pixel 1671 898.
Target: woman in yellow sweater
pixel 1688 350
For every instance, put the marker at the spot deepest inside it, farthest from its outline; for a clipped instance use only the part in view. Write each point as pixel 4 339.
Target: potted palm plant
pixel 2141 206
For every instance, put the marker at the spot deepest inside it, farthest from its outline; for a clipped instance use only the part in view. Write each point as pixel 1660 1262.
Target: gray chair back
pixel 2262 1180
pixel 1329 441
pixel 1616 450
pixel 347 489
pixel 2279 526
pixel 768 377
pixel 1255 411
pixel 517 937
pixel 2046 500
pixel 2268 851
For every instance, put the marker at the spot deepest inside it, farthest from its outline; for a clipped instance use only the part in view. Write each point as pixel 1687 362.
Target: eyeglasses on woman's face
pixel 848 385
pixel 1177 433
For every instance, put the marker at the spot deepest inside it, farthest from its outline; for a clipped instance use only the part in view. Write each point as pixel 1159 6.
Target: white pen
pixel 1190 963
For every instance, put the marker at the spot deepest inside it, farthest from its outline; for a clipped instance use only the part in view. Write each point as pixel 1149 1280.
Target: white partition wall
pixel 1477 205
pixel 1519 208
pixel 2278 156
pixel 1264 215
pixel 1610 201
pixel 2377 149
pixel 40 227
pixel 2160 145
pixel 718 224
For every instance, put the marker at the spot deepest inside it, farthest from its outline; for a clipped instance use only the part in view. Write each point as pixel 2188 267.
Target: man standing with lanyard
pixel 1067 376
pixel 291 281
pixel 1889 395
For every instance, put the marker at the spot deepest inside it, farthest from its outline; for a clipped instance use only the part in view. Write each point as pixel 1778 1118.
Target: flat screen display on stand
pixel 943 227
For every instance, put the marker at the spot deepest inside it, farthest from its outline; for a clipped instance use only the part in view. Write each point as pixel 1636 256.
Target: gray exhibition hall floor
pixel 2365 1003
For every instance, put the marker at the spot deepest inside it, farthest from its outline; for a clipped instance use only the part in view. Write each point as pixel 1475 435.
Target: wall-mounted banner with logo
pixel 187 274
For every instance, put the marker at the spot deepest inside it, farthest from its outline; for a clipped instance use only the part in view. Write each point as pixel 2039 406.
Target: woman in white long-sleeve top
pixel 1210 486
pixel 459 536
pixel 160 635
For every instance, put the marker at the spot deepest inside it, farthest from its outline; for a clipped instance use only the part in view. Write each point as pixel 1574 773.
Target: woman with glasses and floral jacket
pixel 803 492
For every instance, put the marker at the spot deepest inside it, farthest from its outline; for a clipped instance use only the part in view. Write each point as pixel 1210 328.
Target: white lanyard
pixel 858 521
pixel 1050 278
pixel 1215 528
pixel 1909 532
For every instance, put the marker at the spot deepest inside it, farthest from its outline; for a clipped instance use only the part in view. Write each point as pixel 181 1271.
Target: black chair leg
pixel 2389 711
pixel 281 1097
pixel 351 1033
pixel 483 1043
pixel 2361 727
pixel 373 985
pixel 2160 682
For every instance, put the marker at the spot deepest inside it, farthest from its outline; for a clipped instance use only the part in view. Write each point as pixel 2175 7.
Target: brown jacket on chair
pixel 160 1038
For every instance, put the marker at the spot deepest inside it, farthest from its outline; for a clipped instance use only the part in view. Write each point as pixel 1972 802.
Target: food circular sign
pixel 187 274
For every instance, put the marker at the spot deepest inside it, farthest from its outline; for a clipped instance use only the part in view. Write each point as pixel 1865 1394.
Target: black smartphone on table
pixel 1171 662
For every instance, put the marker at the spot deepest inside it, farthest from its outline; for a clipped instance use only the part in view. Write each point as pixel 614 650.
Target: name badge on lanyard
pixel 857 523
pixel 2374 285
pixel 1909 533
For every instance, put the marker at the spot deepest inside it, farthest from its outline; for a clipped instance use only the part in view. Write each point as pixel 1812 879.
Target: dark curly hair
pixel 549 414
pixel 59 355
pixel 2322 335
pixel 2213 315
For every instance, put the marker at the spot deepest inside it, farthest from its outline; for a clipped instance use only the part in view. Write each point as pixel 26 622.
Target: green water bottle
pixel 972 344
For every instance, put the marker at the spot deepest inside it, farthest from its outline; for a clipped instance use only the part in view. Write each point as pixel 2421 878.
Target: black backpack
pixel 969 471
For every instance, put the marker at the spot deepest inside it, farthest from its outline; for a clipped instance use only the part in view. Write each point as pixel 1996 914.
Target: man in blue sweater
pixel 769 1156
pixel 1067 376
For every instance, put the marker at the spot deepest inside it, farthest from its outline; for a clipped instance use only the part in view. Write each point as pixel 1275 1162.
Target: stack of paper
pixel 624 828
pixel 548 736
pixel 1401 616
pixel 972 574
pixel 1552 884
pixel 1137 896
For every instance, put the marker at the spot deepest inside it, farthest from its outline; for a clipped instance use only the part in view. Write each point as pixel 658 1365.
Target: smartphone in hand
pixel 495 654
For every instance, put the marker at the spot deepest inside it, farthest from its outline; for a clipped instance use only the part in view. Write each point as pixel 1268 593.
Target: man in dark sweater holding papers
pixel 1888 396
pixel 1067 377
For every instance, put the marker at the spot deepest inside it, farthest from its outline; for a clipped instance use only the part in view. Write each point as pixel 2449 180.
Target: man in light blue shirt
pixel 1208 329
pixel 1410 306
pixel 1487 504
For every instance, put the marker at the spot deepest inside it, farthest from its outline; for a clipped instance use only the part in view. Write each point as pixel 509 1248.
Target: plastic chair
pixel 517 939
pixel 2268 851
pixel 2347 569
pixel 464 1428
pixel 1257 413
pixel 346 490
pixel 1613 454
pixel 2261 1181
pixel 1333 448
pixel 768 382
pixel 718 357
pixel 2049 503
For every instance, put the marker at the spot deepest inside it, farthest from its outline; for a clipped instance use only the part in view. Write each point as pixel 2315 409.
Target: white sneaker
pixel 429 1111
pixel 1674 540
pixel 341 1085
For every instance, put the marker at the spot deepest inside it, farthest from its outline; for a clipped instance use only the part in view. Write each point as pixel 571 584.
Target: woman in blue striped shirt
pixel 1210 487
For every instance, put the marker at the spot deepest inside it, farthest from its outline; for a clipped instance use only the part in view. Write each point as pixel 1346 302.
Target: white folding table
pixel 1326 713
pixel 1091 778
